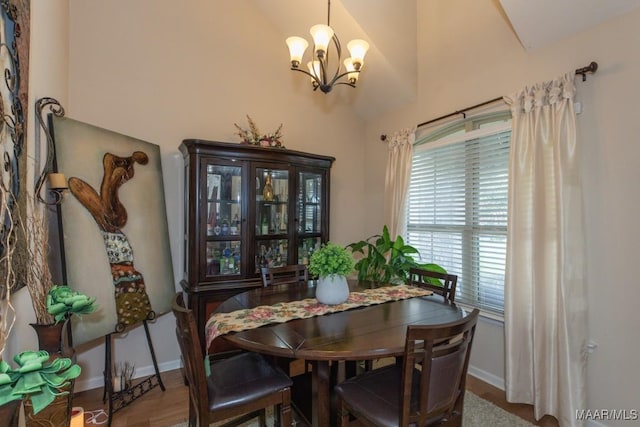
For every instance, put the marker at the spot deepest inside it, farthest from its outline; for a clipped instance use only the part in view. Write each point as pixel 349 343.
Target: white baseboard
pixel 487 377
pixel 144 371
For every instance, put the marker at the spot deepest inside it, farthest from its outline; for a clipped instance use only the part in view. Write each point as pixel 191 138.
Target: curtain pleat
pixel 545 292
pixel 397 178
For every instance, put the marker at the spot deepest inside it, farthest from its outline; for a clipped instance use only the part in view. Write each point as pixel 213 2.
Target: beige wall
pixel 468 54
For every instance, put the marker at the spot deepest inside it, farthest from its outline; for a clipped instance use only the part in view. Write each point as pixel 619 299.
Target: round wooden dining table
pixel 363 333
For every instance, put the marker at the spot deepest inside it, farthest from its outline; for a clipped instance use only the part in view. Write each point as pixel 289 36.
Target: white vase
pixel 332 289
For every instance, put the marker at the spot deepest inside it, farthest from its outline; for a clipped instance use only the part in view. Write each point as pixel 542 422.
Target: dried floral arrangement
pixel 252 136
pixel 7 273
pixel 37 278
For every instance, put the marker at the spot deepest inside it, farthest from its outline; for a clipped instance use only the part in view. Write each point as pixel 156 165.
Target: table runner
pixel 250 318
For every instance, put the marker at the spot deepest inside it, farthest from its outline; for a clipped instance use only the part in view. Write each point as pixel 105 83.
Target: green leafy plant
pixel 62 302
pixel 37 378
pixel 383 260
pixel 331 259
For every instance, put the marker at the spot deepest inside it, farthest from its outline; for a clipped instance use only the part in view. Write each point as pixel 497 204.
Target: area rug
pixel 477 413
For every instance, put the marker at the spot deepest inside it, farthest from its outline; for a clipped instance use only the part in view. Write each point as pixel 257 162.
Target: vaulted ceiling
pixel 390 71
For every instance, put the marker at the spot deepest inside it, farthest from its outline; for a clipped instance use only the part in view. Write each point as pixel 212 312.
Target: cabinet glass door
pixel 309 203
pixel 306 248
pixel 271 218
pixel 223 220
pixel 309 211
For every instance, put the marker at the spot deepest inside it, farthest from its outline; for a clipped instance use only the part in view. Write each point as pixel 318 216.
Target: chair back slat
pixel 434 369
pixel 187 335
pixel 447 287
pixel 289 274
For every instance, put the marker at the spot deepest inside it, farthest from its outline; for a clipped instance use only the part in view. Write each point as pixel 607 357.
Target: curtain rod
pixel 591 68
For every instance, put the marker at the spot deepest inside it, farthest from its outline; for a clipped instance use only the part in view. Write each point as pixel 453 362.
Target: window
pixel 457 206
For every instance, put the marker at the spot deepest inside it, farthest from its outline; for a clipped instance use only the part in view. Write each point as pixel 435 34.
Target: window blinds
pixel 457 211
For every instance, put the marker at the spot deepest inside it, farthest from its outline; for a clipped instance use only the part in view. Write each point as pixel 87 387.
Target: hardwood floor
pixel 164 409
pixel 156 408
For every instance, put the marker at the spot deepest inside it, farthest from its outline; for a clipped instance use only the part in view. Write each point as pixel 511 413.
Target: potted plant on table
pixel 331 264
pixel 384 260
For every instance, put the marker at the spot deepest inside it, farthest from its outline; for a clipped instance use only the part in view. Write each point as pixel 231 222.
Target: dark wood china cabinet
pixel 247 207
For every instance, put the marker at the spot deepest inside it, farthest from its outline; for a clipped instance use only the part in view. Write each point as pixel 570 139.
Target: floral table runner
pixel 250 318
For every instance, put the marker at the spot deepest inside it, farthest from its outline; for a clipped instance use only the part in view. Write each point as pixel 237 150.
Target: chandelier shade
pixel 319 67
pixel 297 46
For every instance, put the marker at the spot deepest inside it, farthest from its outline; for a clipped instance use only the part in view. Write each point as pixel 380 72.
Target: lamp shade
pixel 321 37
pixel 358 49
pixel 353 75
pixel 297 46
pixel 315 69
pixel 57 181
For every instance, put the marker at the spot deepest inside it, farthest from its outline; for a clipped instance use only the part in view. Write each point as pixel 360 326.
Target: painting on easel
pixel 114 223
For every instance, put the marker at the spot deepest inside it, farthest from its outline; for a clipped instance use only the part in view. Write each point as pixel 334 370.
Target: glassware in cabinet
pixel 272 201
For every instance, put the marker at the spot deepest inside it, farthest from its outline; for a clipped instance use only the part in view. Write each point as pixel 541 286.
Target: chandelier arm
pixel 345 83
pixel 336 43
pixel 315 78
pixel 324 64
pixel 339 76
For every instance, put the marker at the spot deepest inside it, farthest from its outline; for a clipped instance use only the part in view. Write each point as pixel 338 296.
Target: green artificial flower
pixel 41 379
pixel 6 385
pixel 62 301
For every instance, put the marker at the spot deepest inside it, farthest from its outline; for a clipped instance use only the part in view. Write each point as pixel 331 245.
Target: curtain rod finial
pixel 591 68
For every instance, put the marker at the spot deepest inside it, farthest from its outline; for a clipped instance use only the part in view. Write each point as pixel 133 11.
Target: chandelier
pixel 319 68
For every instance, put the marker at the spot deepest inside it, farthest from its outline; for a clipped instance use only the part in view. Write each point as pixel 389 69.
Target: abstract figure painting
pixel 116 239
pixel 132 301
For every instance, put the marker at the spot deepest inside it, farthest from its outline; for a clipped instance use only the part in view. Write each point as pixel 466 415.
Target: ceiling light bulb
pixel 297 46
pixel 358 49
pixel 353 74
pixel 322 35
pixel 314 68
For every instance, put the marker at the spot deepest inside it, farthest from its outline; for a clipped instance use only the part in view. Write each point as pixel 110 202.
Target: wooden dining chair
pixel 440 283
pixel 426 389
pixel 240 386
pixel 288 274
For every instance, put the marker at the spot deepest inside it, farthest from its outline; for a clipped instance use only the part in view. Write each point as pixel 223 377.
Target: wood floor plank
pixel 165 409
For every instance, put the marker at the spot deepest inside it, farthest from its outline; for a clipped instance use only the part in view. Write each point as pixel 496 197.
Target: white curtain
pixel 545 293
pixel 396 186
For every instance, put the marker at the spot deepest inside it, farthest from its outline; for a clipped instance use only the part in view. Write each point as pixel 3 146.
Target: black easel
pixel 120 399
